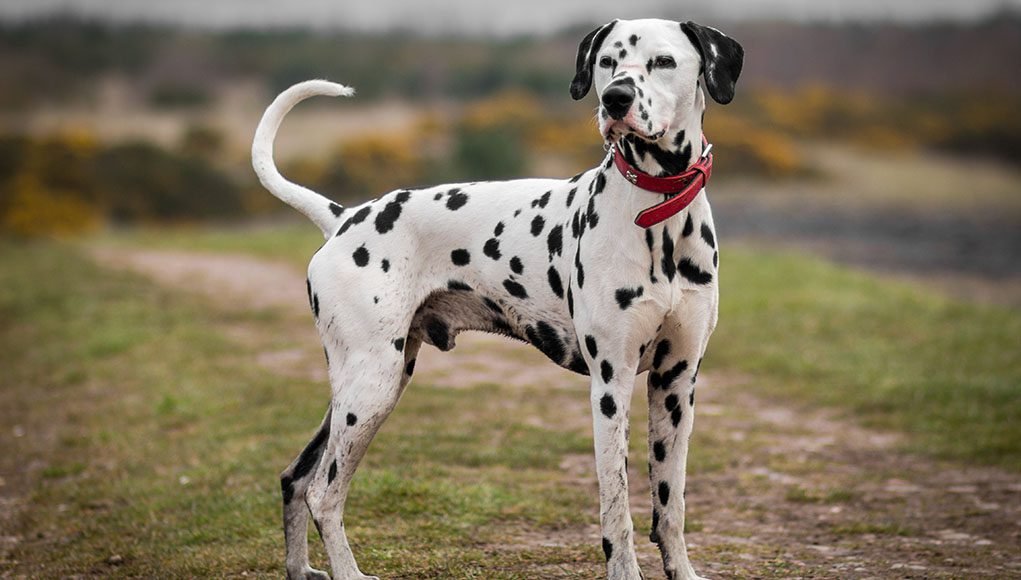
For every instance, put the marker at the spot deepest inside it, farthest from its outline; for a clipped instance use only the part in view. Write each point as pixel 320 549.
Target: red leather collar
pixel 682 189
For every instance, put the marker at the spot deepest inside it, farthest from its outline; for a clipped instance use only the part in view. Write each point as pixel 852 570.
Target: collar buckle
pixel 631 176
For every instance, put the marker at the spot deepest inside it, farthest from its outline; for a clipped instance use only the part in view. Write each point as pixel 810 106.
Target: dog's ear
pixel 586 59
pixel 722 59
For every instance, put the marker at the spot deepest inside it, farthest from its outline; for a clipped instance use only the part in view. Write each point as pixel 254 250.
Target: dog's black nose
pixel 617 99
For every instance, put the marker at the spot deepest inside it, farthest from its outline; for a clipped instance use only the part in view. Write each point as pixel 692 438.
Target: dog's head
pixel 646 74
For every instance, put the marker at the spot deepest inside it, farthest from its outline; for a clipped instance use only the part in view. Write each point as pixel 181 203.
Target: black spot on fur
pixel 691 398
pixel 555 240
pixel 351 419
pixel 357 218
pixel 333 472
pixel 625 296
pixel 439 333
pixel 336 209
pixel 578 364
pixel 693 273
pixel 361 257
pixel 399 344
pixel 608 406
pixel 698 367
pixel 438 196
pixel 456 199
pixel 570 302
pixel 579 273
pixel 707 235
pixel 492 248
pixel 654 535
pixel 546 339
pixel 688 226
pixel 591 216
pixel 675 416
pixel 667 263
pixel 659 450
pixel 716 259
pixel 458 285
pixel 671 402
pixel 555 284
pixel 590 344
pixel 514 289
pixel 386 218
pixel 544 200
pixel 672 162
pixel 287 488
pixel 606 371
pixel 498 230
pixel 460 257
pixel 308 459
pixel 385 264
pixel 315 305
pixel 662 350
pixel 410 368
pixel 666 378
pixel 607 549
pixel 576 177
pixel 538 223
pixel 500 325
pixel 492 305
pixel 516 266
pixel 570 196
pixel 664 492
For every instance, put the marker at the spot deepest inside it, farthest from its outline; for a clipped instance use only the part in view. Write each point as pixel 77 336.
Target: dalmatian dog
pixel 560 264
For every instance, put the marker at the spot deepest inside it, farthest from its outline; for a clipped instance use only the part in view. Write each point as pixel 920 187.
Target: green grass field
pixel 892 354
pixel 164 442
pixel 168 444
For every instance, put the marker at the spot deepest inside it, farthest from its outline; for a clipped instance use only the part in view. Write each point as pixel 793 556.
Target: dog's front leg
pixel 675 364
pixel 612 386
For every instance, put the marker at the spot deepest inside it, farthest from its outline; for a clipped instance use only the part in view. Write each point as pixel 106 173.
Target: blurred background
pixel 868 179
pixel 884 133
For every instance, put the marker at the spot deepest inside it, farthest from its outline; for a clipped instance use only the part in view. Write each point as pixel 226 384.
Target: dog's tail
pixel 317 208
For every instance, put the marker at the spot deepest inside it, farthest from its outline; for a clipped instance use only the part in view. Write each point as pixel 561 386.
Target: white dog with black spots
pixel 557 263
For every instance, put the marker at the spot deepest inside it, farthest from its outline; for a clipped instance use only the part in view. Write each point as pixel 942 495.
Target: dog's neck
pixel 673 153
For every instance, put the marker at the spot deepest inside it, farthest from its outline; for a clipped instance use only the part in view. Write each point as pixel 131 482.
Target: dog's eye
pixel 606 62
pixel 665 62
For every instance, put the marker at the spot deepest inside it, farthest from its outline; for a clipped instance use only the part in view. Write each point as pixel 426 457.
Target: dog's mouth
pixel 617 130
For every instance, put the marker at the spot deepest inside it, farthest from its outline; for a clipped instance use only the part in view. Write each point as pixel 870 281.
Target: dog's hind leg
pixel 366 388
pixel 293 482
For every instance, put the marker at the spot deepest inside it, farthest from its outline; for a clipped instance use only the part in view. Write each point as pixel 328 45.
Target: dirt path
pixel 781 491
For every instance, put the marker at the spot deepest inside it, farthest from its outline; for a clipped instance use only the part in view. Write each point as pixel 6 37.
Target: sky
pixel 490 17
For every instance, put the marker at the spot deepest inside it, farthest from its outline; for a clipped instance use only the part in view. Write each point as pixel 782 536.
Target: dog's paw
pixel 308 573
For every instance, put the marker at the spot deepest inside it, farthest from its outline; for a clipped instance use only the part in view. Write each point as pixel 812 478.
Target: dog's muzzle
pixel 617 99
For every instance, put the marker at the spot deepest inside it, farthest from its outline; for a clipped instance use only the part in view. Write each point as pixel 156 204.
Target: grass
pixel 162 445
pixel 894 355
